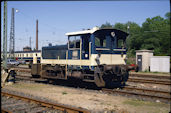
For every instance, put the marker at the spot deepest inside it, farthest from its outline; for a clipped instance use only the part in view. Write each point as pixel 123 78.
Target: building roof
pixel 37 51
pixel 144 50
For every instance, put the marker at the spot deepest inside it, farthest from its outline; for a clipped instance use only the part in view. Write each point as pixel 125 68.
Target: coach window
pixel 74 42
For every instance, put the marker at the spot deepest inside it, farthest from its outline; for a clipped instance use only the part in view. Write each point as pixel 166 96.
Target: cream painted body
pixel 108 59
pixel 34 60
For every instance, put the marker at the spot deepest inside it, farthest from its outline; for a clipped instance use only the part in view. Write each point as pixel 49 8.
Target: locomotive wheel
pixel 50 81
pixel 36 76
pixel 116 78
pixel 112 80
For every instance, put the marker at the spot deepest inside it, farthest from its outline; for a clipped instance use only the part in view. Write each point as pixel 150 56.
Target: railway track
pixel 19 69
pixel 150 76
pixel 132 75
pixel 145 90
pixel 131 79
pixel 132 91
pixel 145 94
pixel 152 81
pixel 128 88
pixel 12 103
pixel 29 79
pixel 162 95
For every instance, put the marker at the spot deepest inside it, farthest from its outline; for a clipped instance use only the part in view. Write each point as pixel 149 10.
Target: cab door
pixel 85 46
pixel 74 47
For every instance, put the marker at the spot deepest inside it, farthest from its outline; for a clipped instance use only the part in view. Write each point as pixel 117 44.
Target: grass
pixel 148 107
pixel 64 93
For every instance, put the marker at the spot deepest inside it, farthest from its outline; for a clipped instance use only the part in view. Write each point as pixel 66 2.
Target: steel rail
pixel 140 80
pixel 150 76
pixel 17 67
pixel 5 111
pixel 162 98
pixel 167 93
pixel 22 69
pixel 28 78
pixel 47 104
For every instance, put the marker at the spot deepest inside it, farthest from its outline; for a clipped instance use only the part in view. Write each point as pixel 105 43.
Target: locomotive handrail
pixel 80 52
pixel 66 68
pixel 102 49
pixel 73 48
pixel 90 53
pixel 119 49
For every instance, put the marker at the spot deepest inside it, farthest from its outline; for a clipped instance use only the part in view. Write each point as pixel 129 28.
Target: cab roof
pixel 89 31
pixel 96 29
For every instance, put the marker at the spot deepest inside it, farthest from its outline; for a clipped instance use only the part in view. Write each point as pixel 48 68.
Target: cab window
pixel 120 43
pixel 74 41
pixel 100 42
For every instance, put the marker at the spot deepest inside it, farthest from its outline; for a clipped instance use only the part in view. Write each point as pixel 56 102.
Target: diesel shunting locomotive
pixel 93 55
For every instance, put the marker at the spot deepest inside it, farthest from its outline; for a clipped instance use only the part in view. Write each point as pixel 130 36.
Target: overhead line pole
pixel 5 36
pixel 12 36
pixel 30 42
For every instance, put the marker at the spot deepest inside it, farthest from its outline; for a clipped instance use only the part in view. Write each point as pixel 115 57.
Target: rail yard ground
pixel 94 100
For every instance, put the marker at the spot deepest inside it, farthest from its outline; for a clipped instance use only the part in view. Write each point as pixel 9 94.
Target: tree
pixel 120 26
pixel 157 35
pixel 153 35
pixel 168 16
pixel 106 25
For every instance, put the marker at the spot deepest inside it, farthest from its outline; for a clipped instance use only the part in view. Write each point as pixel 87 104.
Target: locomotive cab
pixel 103 42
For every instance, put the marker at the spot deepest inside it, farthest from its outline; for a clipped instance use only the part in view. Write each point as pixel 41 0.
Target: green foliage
pixel 106 25
pixel 153 35
pixel 120 26
pixel 168 16
pixel 64 93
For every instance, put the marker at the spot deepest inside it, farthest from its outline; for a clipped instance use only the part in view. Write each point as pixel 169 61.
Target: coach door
pixel 139 62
